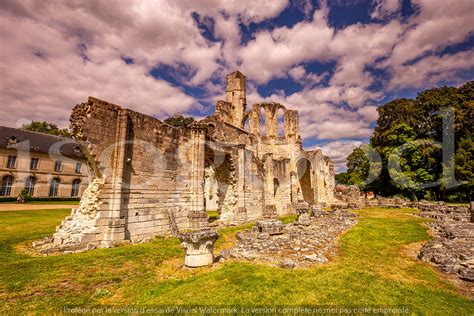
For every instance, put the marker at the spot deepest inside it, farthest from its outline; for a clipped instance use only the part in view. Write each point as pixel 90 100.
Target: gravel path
pixel 28 207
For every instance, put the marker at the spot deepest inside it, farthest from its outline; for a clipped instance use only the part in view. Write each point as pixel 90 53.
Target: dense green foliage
pixel 342 178
pixel 405 137
pixel 47 128
pixel 178 120
pixel 25 195
pixel 371 269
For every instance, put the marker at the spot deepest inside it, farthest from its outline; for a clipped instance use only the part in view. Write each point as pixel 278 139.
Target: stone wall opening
pixel 220 184
pixel 306 189
pixel 263 129
pixel 276 186
pixel 281 122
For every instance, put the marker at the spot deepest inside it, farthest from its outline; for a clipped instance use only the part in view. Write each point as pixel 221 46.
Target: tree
pixel 357 166
pixel 342 178
pixel 178 120
pixel 47 128
pixel 404 136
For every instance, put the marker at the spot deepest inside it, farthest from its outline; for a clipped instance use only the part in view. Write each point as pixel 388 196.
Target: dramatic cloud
pixel 161 57
pixel 437 25
pixel 272 53
pixel 430 70
pixel 385 8
pixel 44 75
pixel 338 152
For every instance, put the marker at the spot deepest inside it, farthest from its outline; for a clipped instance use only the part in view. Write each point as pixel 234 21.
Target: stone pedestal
pixel 270 226
pixel 199 246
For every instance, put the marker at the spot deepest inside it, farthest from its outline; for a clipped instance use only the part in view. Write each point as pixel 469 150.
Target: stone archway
pixel 306 186
pixel 220 184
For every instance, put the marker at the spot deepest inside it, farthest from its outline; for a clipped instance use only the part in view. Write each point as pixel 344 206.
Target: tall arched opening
pixel 281 122
pixel 306 186
pixel 219 183
pixel 263 129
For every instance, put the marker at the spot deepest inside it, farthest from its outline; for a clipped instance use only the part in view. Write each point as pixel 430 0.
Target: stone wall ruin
pixel 145 170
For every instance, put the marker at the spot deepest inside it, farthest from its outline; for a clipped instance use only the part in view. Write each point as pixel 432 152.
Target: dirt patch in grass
pixel 4 207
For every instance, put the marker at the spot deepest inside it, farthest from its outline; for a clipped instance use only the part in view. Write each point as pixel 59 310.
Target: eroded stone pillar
pixel 294 188
pixel 115 222
pixel 254 120
pixel 241 210
pixel 271 121
pixel 198 216
pixel 330 180
pixel 270 208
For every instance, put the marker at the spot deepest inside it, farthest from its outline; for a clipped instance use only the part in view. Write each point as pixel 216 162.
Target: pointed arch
pixel 281 122
pixel 306 185
pixel 263 129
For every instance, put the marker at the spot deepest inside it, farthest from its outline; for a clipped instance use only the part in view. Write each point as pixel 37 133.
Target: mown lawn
pixel 370 270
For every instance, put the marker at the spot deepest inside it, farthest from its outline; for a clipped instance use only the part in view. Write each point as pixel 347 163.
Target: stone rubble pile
pixel 442 211
pixel 452 246
pixel 311 239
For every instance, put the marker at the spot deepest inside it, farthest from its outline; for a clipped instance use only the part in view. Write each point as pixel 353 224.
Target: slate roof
pixel 39 142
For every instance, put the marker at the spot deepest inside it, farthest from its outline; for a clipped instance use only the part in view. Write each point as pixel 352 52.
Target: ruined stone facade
pixel 150 177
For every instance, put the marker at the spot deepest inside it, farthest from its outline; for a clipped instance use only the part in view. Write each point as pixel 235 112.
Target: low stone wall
pixel 441 210
pixel 452 246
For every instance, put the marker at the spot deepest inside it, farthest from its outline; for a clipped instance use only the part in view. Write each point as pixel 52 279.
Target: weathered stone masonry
pixel 150 177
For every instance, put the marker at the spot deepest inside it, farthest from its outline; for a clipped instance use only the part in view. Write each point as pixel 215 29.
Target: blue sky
pixel 333 61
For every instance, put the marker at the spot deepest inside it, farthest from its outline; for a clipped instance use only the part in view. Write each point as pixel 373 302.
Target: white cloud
pixel 338 152
pixel 272 53
pixel 439 24
pixel 430 70
pixel 47 85
pixel 79 46
pixel 369 112
pixel 299 74
pixel 384 8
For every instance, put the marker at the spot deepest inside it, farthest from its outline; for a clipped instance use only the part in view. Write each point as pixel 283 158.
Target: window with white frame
pixel 78 167
pixel 11 162
pixel 34 164
pixel 30 184
pixel 75 187
pixel 54 188
pixel 58 164
pixel 7 183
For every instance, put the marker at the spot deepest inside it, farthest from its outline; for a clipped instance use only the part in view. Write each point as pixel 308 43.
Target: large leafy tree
pixel 47 128
pixel 405 137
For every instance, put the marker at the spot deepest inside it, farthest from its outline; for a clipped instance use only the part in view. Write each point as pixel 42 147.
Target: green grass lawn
pixel 370 270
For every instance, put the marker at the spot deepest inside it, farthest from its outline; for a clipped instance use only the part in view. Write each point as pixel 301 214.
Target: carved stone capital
pixel 199 246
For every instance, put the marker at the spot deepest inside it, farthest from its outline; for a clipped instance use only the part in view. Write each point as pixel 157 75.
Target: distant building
pixel 45 165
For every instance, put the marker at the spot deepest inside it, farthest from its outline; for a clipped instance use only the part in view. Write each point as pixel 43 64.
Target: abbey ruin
pixel 151 179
